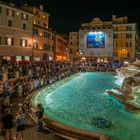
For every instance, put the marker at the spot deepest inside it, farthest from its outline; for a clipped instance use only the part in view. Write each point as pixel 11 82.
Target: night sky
pixel 67 15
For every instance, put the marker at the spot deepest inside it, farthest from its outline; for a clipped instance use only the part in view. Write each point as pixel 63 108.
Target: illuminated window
pixel 44 17
pixel 7 57
pixel 51 37
pixel 37 13
pixel 10 12
pixel 17 13
pixel 24 16
pixel 9 41
pixel 23 43
pixel 35 46
pixel 10 23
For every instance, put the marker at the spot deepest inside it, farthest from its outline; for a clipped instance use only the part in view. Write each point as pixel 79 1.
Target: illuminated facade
pixel 126 39
pixel 43 39
pixel 61 52
pixel 15 33
pixel 74 46
pixel 105 41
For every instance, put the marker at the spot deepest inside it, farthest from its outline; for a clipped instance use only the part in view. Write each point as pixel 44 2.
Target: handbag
pixel 3 132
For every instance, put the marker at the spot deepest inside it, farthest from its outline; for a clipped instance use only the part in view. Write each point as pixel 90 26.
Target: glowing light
pixel 40 34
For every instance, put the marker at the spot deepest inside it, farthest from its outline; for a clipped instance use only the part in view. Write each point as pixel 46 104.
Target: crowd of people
pixel 18 80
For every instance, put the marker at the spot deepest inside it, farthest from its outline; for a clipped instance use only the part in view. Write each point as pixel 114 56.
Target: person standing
pixel 40 113
pixel 20 124
pixel 7 124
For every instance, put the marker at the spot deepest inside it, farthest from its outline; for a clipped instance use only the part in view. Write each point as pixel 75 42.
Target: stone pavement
pixel 30 133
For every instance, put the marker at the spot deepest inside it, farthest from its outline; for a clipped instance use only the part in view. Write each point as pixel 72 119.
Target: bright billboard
pixel 96 40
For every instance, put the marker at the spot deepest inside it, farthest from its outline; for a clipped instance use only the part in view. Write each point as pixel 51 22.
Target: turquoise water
pixel 78 99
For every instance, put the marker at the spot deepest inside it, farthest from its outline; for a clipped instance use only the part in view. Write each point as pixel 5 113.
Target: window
pixel 127 44
pixel 23 43
pixel 10 12
pixel 128 35
pixel 0 40
pixel 77 43
pixel 115 44
pixel 9 41
pixel 51 37
pixel 35 46
pixel 37 13
pixel 71 51
pixel 10 23
pixel 24 26
pixel 128 54
pixel 24 16
pixel 129 28
pixel 116 54
pixel 45 34
pixel 48 47
pixel 44 17
pixel 0 9
pixel 115 36
pixel 45 46
pixel 115 28
pixel 45 25
pixel 35 31
pixel 130 44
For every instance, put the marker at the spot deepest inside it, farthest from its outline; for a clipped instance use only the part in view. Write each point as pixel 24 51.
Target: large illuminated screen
pixel 96 40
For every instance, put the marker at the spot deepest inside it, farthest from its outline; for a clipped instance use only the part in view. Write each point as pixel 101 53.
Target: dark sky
pixel 67 15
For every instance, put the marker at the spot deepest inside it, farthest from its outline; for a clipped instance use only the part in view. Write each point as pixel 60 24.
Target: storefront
pixel 26 58
pixel 18 58
pixel 37 59
pixel 8 58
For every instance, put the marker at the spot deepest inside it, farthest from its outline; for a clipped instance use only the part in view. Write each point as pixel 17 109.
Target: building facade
pixel 43 39
pixel 74 46
pixel 105 41
pixel 25 35
pixel 15 33
pixel 61 48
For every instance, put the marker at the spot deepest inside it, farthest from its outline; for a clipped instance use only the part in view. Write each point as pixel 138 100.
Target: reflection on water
pixel 80 98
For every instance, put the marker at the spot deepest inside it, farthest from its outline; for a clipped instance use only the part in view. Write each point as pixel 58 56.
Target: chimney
pixel 113 17
pixel 25 4
pixel 41 7
pixel 12 4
